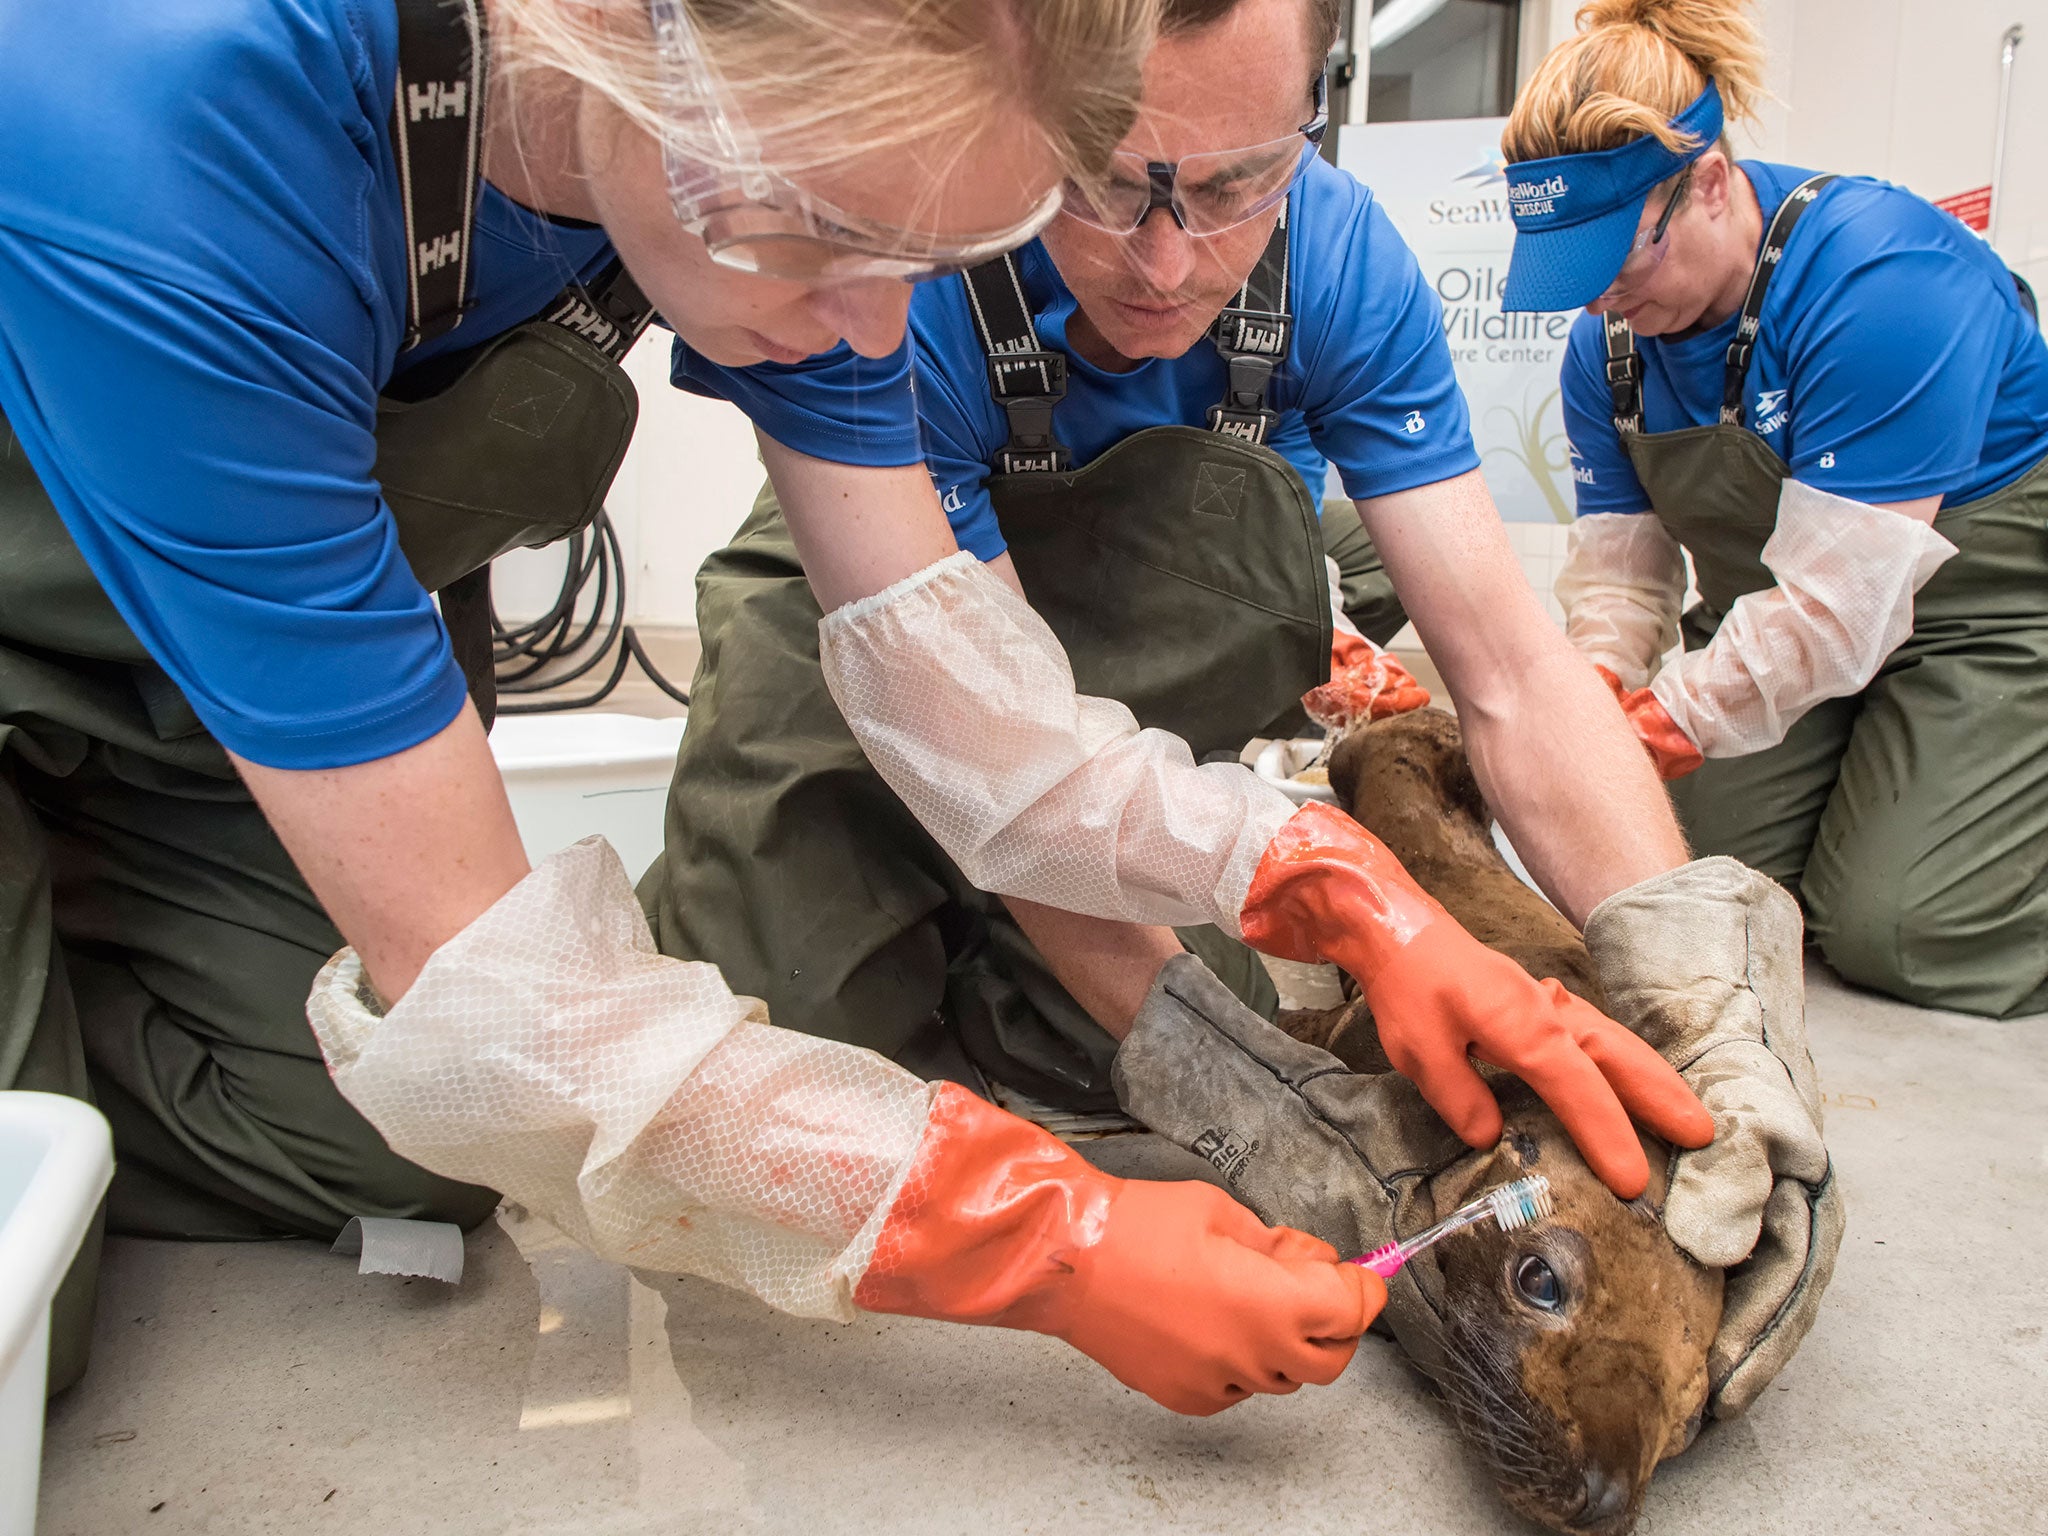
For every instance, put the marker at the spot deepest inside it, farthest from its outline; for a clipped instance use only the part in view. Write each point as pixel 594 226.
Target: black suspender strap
pixel 1026 380
pixel 1253 335
pixel 609 312
pixel 437 119
pixel 1625 363
pixel 1743 347
pixel 1624 376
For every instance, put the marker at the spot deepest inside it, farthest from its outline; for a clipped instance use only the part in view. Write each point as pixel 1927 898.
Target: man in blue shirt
pixel 1124 422
pixel 1131 421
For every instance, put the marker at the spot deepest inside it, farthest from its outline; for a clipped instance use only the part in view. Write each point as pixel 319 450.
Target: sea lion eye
pixel 1536 1283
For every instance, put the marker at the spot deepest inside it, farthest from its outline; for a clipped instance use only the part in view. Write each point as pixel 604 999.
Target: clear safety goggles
pixel 1649 249
pixel 1206 193
pixel 753 219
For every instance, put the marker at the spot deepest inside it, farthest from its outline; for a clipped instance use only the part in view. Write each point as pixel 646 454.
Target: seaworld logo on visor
pixel 1533 199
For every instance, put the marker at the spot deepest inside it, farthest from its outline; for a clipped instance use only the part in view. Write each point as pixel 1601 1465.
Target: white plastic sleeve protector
pixel 1340 621
pixel 1846 575
pixel 1621 587
pixel 965 703
pixel 548 1052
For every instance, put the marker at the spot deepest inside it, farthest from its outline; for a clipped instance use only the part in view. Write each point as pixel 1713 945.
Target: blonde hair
pixel 823 80
pixel 1631 67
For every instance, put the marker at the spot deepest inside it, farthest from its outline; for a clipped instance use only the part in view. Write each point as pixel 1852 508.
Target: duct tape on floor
pixel 429 1249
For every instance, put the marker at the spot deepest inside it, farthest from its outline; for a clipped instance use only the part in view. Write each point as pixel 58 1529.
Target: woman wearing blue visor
pixel 1834 398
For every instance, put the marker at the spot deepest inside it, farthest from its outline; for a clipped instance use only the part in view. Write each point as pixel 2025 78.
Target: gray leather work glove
pixel 1705 963
pixel 1302 1141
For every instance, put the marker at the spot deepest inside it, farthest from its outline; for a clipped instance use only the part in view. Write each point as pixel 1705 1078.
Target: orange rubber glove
pixel 1327 889
pixel 1669 747
pixel 1175 1289
pixel 1366 683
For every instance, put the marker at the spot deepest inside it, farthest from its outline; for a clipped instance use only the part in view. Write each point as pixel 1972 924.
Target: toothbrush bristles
pixel 1517 1204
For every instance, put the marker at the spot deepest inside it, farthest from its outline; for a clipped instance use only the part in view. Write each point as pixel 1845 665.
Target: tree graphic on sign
pixel 1546 456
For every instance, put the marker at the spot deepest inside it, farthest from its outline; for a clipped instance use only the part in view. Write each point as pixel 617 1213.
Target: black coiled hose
pixel 522 655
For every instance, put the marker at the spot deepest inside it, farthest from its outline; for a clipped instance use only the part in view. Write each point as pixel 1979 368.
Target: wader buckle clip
pixel 1014 377
pixel 1261 333
pixel 1028 385
pixel 1243 413
pixel 1253 426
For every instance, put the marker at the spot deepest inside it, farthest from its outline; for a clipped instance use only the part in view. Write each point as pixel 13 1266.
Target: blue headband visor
pixel 1576 215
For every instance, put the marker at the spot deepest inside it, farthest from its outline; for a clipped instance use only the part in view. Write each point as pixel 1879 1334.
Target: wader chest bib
pixel 1912 818
pixel 1183 572
pixel 156 943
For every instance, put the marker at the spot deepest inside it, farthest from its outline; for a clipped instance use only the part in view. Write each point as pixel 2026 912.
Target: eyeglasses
pixel 1649 249
pixel 753 219
pixel 1206 193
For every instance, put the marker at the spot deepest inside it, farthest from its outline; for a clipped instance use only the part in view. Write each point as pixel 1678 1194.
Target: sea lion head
pixel 1575 1349
pixel 1572 1351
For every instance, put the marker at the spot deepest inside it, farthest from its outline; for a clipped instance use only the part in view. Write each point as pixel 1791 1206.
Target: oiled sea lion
pixel 1574 1352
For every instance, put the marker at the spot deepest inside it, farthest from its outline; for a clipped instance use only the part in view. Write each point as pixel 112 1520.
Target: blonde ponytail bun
pixel 1631 67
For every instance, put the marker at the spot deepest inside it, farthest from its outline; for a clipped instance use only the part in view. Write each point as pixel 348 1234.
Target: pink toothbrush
pixel 1511 1206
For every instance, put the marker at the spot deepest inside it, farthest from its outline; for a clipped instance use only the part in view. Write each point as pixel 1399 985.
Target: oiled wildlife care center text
pixel 1478 329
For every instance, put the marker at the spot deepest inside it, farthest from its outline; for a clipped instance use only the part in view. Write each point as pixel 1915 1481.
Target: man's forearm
pixel 1107 967
pixel 1570 783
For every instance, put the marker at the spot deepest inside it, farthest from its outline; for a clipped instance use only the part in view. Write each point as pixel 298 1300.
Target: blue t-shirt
pixel 202 291
pixel 1367 385
pixel 1893 360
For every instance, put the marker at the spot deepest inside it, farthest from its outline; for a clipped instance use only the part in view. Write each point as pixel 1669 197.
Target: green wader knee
pixel 1911 818
pixel 157 944
pixel 794 868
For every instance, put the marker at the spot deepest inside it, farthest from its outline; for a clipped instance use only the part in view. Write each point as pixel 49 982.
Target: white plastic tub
pixel 571 775
pixel 56 1157
pixel 1279 761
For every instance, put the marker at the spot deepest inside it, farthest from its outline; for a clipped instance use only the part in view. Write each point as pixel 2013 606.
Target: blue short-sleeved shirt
pixel 1368 384
pixel 1894 360
pixel 201 294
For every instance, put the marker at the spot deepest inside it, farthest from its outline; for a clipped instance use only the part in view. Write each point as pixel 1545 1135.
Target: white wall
pixel 1902 89
pixel 1908 90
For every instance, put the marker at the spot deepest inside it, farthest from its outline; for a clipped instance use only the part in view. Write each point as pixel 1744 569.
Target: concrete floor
pixel 270 1388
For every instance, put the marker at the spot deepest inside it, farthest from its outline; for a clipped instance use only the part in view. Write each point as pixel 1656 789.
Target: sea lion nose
pixel 1606 1498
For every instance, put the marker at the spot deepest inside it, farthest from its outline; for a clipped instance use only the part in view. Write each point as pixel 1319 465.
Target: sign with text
pixel 1972 207
pixel 1446 189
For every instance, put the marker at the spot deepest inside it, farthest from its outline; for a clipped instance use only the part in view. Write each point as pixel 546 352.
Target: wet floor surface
pixel 269 1387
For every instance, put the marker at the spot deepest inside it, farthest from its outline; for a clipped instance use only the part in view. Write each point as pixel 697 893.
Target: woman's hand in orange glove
pixel 1366 683
pixel 1176 1289
pixel 1327 889
pixel 1669 747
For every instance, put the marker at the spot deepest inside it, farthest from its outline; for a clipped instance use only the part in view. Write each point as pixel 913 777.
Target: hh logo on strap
pixel 585 319
pixel 1219 490
pixel 438 252
pixel 437 99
